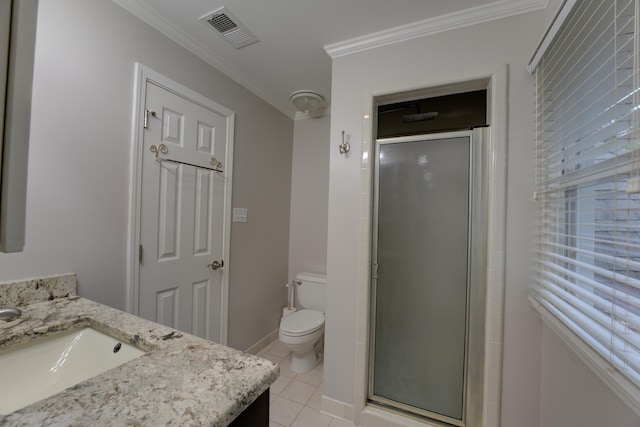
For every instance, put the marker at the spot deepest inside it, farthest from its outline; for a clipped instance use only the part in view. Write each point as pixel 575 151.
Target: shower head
pixel 420 117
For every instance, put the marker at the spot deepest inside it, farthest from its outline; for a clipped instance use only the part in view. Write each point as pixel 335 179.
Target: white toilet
pixel 303 331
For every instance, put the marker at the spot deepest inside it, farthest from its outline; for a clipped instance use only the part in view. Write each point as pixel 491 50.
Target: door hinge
pixel 374 270
pixel 140 254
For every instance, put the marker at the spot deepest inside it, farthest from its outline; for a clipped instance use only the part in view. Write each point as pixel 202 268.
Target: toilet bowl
pixel 300 332
pixel 303 330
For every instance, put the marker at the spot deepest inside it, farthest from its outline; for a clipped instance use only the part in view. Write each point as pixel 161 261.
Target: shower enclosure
pixel 428 269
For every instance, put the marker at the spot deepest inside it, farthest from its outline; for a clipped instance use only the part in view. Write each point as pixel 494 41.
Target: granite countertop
pixel 182 380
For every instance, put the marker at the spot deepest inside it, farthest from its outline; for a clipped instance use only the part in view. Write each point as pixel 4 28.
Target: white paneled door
pixel 182 214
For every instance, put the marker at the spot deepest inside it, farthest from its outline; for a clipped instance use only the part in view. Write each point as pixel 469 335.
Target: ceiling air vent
pixel 229 27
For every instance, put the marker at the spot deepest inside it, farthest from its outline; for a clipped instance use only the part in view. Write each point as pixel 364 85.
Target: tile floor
pixel 296 398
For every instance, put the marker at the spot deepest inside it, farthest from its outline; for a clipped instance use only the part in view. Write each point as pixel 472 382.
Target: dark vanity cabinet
pixel 256 415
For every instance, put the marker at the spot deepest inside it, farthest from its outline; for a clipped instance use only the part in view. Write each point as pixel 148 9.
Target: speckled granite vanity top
pixel 182 380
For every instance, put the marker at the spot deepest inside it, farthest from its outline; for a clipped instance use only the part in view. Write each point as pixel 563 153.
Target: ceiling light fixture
pixel 307 101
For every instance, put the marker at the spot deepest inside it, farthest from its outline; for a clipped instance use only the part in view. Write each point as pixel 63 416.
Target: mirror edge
pixel 15 147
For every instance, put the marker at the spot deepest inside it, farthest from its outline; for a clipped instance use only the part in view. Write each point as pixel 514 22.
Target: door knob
pixel 216 264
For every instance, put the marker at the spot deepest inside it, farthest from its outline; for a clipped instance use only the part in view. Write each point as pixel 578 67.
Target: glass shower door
pixel 421 275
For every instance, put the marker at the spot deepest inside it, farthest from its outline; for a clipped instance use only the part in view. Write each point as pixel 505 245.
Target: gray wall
pixel 79 171
pixel 509 41
pixel 309 196
pixel 572 395
pixel 543 383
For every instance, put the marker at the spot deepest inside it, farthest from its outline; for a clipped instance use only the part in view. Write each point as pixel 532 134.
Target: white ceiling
pixel 295 35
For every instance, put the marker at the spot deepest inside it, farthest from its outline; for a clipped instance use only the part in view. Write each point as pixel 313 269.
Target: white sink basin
pixel 40 368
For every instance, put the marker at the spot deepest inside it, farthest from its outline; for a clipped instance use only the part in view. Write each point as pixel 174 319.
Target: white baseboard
pixel 263 343
pixel 337 409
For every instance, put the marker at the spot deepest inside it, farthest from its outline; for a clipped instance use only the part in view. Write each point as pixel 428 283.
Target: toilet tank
pixel 311 292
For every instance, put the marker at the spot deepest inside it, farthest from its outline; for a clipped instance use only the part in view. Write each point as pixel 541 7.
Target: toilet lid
pixel 302 322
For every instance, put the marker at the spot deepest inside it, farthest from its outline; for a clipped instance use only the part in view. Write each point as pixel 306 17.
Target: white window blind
pixel 588 146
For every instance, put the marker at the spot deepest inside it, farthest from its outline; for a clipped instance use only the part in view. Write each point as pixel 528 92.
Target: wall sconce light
pixel 307 101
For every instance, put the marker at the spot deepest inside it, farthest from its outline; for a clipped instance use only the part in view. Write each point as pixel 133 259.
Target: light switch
pixel 239 215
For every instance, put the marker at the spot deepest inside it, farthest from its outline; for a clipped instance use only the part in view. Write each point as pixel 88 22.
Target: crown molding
pixel 477 15
pixel 147 15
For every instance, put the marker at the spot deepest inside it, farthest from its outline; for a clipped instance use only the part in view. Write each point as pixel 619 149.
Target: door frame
pixel 143 75
pixel 494 78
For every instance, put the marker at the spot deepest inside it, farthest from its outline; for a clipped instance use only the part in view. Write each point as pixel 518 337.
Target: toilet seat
pixel 303 322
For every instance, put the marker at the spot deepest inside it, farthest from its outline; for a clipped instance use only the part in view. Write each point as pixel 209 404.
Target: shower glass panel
pixel 421 275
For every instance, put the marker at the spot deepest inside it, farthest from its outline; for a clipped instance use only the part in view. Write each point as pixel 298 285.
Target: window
pixel 587 149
